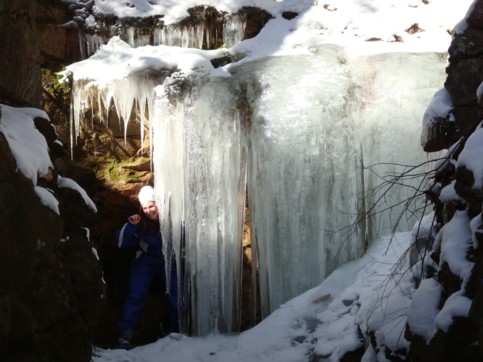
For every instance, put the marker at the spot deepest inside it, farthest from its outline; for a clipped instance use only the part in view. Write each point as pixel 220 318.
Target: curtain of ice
pixel 303 177
pixel 392 93
pixel 200 167
pixel 309 137
pixel 325 130
pixel 321 133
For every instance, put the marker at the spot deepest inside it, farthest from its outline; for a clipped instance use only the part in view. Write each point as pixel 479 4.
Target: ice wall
pixel 319 135
pixel 326 132
pixel 200 173
pixel 311 138
pixel 303 177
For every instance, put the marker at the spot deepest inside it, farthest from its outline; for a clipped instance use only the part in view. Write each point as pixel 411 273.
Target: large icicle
pixel 302 174
pixel 199 163
pixel 320 125
pixel 133 91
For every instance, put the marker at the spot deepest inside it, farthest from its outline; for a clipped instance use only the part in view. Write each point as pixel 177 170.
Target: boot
pixel 124 339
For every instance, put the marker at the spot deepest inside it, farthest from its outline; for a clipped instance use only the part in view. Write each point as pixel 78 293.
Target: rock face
pixel 32 36
pixel 52 288
pixel 464 339
pixel 19 51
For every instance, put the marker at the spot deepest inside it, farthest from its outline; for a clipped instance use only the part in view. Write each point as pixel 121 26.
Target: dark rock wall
pixel 463 340
pixel 51 288
pixel 58 42
pixel 19 53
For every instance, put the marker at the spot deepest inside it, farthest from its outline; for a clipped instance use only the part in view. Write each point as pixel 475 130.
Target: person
pixel 142 232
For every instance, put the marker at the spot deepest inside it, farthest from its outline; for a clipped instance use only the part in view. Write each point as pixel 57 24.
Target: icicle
pixel 233 30
pixel 158 36
pixel 99 109
pixel 202 33
pixel 91 101
pixel 71 133
pixel 107 103
pixel 186 37
pixel 82 46
pixel 78 101
pixel 199 169
pixel 93 42
pixel 130 36
pixel 142 108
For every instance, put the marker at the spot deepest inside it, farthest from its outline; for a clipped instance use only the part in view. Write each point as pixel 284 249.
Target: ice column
pixel 392 91
pixel 199 164
pixel 320 125
pixel 302 180
pixel 233 30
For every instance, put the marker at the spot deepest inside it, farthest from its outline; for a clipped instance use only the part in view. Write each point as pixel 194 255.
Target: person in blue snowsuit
pixel 142 232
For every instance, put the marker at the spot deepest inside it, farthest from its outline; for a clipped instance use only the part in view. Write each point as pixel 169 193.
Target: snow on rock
pixel 439 107
pixel 65 182
pixel 456 238
pixel 27 144
pixel 424 308
pixel 448 193
pixel 470 157
pixel 456 306
pixel 47 198
pixel 31 152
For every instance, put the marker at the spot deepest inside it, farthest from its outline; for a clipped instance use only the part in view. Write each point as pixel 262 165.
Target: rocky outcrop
pixel 203 28
pixel 19 51
pixel 33 36
pixel 52 288
pixel 58 41
pixel 463 340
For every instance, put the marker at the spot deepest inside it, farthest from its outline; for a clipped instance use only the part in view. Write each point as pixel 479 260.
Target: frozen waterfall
pixel 306 140
pixel 301 135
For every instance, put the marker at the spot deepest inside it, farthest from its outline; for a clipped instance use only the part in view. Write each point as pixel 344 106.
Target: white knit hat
pixel 146 194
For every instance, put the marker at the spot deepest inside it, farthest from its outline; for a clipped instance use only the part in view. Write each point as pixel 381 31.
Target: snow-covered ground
pixel 321 322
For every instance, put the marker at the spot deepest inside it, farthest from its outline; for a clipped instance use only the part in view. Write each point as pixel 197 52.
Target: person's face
pixel 150 210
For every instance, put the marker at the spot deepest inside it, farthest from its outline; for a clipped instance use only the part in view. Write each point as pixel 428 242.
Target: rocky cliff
pixel 52 290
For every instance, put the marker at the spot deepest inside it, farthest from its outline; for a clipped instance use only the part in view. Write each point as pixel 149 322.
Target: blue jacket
pixel 149 245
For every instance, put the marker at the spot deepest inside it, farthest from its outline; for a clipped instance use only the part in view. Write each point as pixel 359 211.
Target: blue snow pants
pixel 143 272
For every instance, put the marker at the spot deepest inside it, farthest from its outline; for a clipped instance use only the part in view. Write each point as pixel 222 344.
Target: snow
pixel 457 305
pixel 321 321
pixel 31 152
pixel 65 182
pixel 448 193
pixel 47 198
pixel 424 229
pixel 470 157
pixel 348 23
pixel 440 106
pixel 117 60
pixel 456 238
pixel 27 144
pixel 425 301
